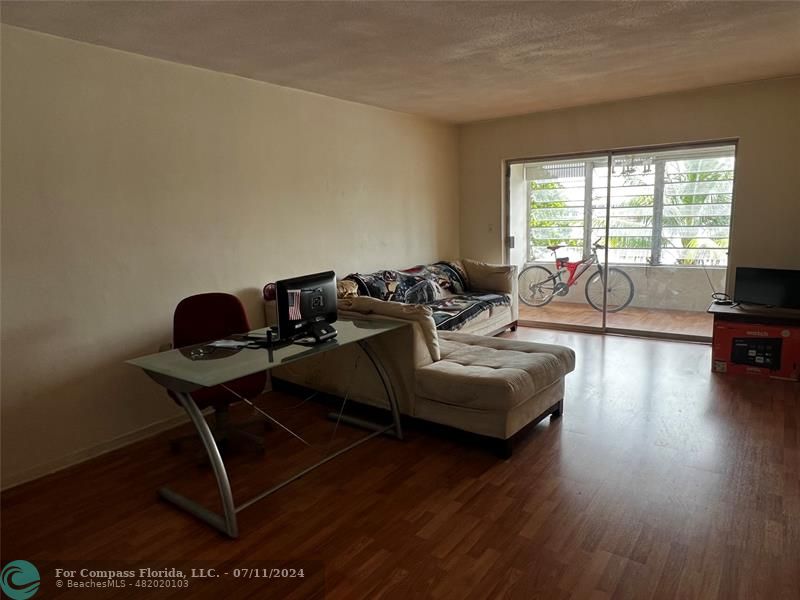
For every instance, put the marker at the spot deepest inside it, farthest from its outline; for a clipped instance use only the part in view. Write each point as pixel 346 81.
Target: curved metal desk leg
pixel 226 523
pixel 387 386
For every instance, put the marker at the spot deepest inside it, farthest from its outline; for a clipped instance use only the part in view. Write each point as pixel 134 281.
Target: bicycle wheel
pixel 536 285
pixel 620 290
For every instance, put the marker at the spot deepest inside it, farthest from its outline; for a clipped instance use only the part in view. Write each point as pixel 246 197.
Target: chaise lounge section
pixel 491 386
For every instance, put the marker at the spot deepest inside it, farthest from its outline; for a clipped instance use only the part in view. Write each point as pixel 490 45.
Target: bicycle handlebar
pixel 597 244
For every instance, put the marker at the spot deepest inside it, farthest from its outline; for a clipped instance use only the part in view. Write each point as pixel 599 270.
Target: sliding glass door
pixel 553 209
pixel 670 226
pixel 633 241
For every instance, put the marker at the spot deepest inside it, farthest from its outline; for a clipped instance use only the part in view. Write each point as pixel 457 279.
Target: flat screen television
pixel 307 307
pixel 769 287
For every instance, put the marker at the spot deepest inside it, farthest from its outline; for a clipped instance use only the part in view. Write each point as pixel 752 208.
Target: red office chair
pixel 204 318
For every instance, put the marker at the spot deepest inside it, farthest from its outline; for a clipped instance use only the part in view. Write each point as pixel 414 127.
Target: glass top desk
pixel 185 370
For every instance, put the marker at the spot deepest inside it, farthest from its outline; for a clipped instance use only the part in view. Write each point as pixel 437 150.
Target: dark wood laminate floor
pixel 681 322
pixel 661 480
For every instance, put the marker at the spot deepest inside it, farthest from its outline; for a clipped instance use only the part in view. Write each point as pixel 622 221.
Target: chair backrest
pixel 206 317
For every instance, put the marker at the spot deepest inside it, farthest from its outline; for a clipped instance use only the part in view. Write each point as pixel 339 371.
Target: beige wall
pixel 130 183
pixel 765 116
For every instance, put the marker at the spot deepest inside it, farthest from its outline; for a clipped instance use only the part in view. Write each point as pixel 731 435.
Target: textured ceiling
pixel 456 61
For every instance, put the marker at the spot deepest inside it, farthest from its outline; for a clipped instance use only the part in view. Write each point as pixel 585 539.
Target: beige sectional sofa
pixel 488 386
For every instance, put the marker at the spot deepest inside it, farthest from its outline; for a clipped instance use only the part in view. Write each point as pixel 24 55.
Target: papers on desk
pixel 229 344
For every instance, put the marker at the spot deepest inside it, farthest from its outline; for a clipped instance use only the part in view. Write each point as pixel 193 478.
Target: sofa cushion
pixel 448 276
pixel 489 373
pixel 485 276
pixel 423 292
pixel 453 312
pixel 488 322
pixel 458 266
pixel 564 354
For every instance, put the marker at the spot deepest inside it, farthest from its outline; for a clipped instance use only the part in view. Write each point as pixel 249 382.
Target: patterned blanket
pixel 451 314
pixel 441 286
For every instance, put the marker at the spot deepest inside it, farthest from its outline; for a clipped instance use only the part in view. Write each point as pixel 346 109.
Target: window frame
pixel 658 196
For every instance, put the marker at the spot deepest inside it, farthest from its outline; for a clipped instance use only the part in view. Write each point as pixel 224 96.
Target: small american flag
pixel 294 304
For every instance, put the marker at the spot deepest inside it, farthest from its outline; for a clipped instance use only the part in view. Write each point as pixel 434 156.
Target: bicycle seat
pixel 556 247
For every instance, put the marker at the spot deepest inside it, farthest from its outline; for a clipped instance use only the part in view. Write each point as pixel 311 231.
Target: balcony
pixel 666 300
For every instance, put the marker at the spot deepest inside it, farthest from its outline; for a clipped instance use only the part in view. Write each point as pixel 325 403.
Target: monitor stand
pixel 317 333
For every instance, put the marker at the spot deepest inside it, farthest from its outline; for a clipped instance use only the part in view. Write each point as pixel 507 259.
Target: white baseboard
pixel 85 454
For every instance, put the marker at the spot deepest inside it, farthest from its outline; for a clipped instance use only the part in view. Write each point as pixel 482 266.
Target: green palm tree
pixel 720 170
pixel 693 185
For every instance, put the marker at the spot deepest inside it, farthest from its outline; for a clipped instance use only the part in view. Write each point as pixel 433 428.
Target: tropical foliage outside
pixel 694 218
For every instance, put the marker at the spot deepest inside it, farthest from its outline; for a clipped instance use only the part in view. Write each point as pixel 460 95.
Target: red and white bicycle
pixel 538 285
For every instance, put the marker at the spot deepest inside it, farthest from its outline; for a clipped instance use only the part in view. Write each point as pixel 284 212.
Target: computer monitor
pixel 771 287
pixel 307 307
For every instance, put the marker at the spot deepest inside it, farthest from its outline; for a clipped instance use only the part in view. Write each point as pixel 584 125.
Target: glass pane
pixel 669 228
pixel 184 364
pixel 631 214
pixel 565 200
